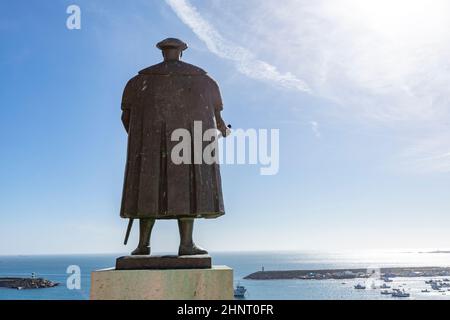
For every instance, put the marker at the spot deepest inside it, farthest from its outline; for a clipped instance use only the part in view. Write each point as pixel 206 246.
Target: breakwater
pixel 26 283
pixel 350 273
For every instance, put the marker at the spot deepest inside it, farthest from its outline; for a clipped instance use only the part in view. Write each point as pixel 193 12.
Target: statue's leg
pixel 187 245
pixel 145 231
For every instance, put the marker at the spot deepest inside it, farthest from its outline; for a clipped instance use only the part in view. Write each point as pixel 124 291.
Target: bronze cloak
pixel 160 99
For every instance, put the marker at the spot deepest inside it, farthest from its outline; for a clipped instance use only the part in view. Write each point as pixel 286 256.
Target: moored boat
pixel 240 291
pixel 397 293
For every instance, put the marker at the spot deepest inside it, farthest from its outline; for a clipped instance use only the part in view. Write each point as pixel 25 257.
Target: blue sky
pixel 360 94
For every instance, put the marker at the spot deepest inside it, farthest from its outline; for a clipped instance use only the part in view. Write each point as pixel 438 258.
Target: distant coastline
pixel 437 251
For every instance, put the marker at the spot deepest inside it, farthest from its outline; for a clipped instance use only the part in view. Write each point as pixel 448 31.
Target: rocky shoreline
pixel 26 283
pixel 349 273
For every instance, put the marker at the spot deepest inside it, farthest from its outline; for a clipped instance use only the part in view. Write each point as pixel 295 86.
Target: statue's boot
pixel 141 251
pixel 187 245
pixel 145 231
pixel 191 250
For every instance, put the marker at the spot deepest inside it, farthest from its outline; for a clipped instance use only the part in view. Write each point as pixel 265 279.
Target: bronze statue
pixel 160 99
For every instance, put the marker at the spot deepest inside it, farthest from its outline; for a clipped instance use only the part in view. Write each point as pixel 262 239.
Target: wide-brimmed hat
pixel 172 43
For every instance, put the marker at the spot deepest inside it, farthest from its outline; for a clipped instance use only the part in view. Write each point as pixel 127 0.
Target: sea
pixel 55 267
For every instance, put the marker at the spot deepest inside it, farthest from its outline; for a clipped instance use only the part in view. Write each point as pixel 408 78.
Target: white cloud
pixel 244 60
pixel 315 128
pixel 429 154
pixel 383 62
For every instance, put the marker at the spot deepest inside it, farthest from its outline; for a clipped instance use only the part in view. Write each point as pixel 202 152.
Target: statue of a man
pixel 160 99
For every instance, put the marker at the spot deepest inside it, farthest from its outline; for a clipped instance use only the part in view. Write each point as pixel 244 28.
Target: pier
pixel 26 283
pixel 349 273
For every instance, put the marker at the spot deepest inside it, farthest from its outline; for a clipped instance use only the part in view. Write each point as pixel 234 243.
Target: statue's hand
pixel 222 127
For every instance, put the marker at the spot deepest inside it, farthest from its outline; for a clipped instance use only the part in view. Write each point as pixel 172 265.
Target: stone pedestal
pixel 163 262
pixel 215 283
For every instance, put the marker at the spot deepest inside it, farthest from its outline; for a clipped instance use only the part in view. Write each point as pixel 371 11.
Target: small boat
pixel 359 287
pixel 435 286
pixel 400 293
pixel 239 291
pixel 385 286
pixel 387 279
pixel 426 290
pixel 385 292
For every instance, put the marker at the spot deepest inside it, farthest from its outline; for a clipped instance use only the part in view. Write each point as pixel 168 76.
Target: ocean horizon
pixel 54 267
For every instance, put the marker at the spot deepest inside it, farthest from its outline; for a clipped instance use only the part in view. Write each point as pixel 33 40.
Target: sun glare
pixel 402 18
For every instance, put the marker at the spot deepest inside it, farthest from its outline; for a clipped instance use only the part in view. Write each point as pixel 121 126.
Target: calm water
pixel 54 268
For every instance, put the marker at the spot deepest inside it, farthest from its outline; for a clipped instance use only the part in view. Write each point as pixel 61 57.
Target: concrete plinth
pixel 215 283
pixel 163 262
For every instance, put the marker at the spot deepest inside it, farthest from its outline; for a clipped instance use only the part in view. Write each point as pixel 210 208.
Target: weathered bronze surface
pixel 160 99
pixel 163 262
